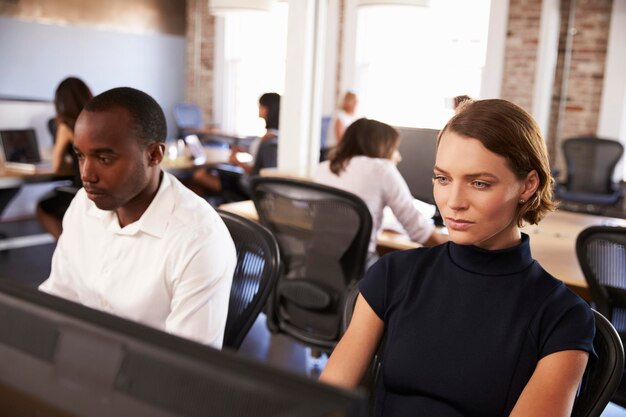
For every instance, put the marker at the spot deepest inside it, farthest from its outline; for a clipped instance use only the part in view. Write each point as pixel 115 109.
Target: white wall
pixel 612 123
pixel 491 85
pixel 36 57
pixel 27 114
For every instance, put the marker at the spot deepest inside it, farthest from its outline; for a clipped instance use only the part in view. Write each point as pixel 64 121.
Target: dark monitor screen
pixel 20 145
pixel 418 148
pixel 58 358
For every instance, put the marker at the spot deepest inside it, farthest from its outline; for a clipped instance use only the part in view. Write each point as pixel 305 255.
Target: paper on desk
pixel 390 222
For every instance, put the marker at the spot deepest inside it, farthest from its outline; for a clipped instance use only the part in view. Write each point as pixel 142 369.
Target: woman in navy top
pixel 474 327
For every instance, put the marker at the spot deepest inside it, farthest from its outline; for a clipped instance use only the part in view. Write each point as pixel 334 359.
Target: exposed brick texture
pixel 582 89
pixel 586 74
pixel 521 51
pixel 576 99
pixel 200 57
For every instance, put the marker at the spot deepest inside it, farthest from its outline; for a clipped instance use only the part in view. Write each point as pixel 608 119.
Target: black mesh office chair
pixel 601 252
pixel 258 267
pixel 9 188
pixel 602 376
pixel 590 163
pixel 323 234
pixel 600 380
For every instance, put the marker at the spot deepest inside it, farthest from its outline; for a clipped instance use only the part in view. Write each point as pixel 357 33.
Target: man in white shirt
pixel 136 242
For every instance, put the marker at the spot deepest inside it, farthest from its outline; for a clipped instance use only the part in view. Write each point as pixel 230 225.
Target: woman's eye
pixel 440 179
pixel 480 184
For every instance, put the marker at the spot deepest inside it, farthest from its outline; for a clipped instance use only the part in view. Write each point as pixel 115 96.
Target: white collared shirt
pixel 171 269
pixel 379 183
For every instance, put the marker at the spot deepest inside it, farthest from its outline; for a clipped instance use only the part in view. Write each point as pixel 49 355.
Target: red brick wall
pixel 558 86
pixel 584 83
pixel 521 52
pixel 586 72
pixel 200 57
pixel 582 88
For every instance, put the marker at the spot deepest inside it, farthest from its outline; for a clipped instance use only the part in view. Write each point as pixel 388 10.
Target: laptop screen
pixel 20 145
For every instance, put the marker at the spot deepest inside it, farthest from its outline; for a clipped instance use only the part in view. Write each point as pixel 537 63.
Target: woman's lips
pixel 458 224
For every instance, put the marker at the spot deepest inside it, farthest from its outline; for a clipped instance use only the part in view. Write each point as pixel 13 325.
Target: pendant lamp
pixel 220 7
pixel 420 3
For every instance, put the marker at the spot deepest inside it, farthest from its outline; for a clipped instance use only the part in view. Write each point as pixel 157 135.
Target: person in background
pixel 69 99
pixel 458 100
pixel 136 242
pixel 345 115
pixel 363 164
pixel 475 327
pixel 264 151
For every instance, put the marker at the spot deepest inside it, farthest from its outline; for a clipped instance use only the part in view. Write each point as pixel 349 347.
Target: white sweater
pixel 379 183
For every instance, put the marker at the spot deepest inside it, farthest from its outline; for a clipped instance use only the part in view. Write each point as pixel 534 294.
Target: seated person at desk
pixel 362 164
pixel 135 241
pixel 69 99
pixel 474 327
pixel 264 152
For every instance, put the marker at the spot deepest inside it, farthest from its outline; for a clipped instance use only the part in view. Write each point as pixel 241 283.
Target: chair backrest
pixel 323 234
pixel 602 376
pixel 187 116
pixel 590 164
pixel 256 272
pixel 52 128
pixel 6 196
pixel 601 252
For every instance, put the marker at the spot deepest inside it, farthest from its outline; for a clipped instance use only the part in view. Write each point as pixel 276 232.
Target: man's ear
pixel 156 151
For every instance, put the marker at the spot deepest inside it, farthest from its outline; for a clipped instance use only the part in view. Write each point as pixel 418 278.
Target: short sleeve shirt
pixel 465 328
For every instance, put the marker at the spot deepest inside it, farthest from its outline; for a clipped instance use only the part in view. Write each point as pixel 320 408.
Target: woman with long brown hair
pixel 69 99
pixel 363 164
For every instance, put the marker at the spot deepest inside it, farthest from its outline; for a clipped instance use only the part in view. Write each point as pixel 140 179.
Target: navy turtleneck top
pixel 465 328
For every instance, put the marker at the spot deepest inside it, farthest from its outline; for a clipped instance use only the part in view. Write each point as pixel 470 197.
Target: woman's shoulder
pixel 401 260
pixel 381 164
pixel 64 130
pixel 322 171
pixel 394 269
pixel 552 296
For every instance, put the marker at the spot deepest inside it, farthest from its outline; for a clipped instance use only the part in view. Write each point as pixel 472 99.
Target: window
pixel 255 45
pixel 411 61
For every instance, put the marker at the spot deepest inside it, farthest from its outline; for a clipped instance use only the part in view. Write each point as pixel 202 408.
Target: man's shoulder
pixel 191 211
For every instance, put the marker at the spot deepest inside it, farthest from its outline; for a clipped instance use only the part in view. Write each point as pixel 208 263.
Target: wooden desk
pixel 18 177
pixel 552 242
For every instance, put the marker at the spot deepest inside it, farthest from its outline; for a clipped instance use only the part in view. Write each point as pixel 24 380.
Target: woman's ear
pixel 530 186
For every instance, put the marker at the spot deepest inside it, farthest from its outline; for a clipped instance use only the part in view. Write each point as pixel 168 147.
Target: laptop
pixel 21 150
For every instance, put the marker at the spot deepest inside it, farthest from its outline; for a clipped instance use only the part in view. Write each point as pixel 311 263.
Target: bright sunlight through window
pixel 411 61
pixel 255 46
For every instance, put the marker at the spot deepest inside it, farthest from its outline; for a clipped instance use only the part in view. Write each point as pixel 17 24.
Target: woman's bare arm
pixel 551 390
pixel 354 352
pixel 64 136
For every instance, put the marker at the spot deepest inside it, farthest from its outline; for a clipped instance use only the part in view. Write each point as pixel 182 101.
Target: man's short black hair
pixel 147 118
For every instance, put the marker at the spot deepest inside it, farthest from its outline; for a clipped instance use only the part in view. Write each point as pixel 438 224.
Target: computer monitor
pixel 58 358
pixel 418 148
pixel 20 145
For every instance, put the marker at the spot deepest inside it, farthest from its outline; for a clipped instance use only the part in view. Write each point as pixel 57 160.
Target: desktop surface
pixel 552 241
